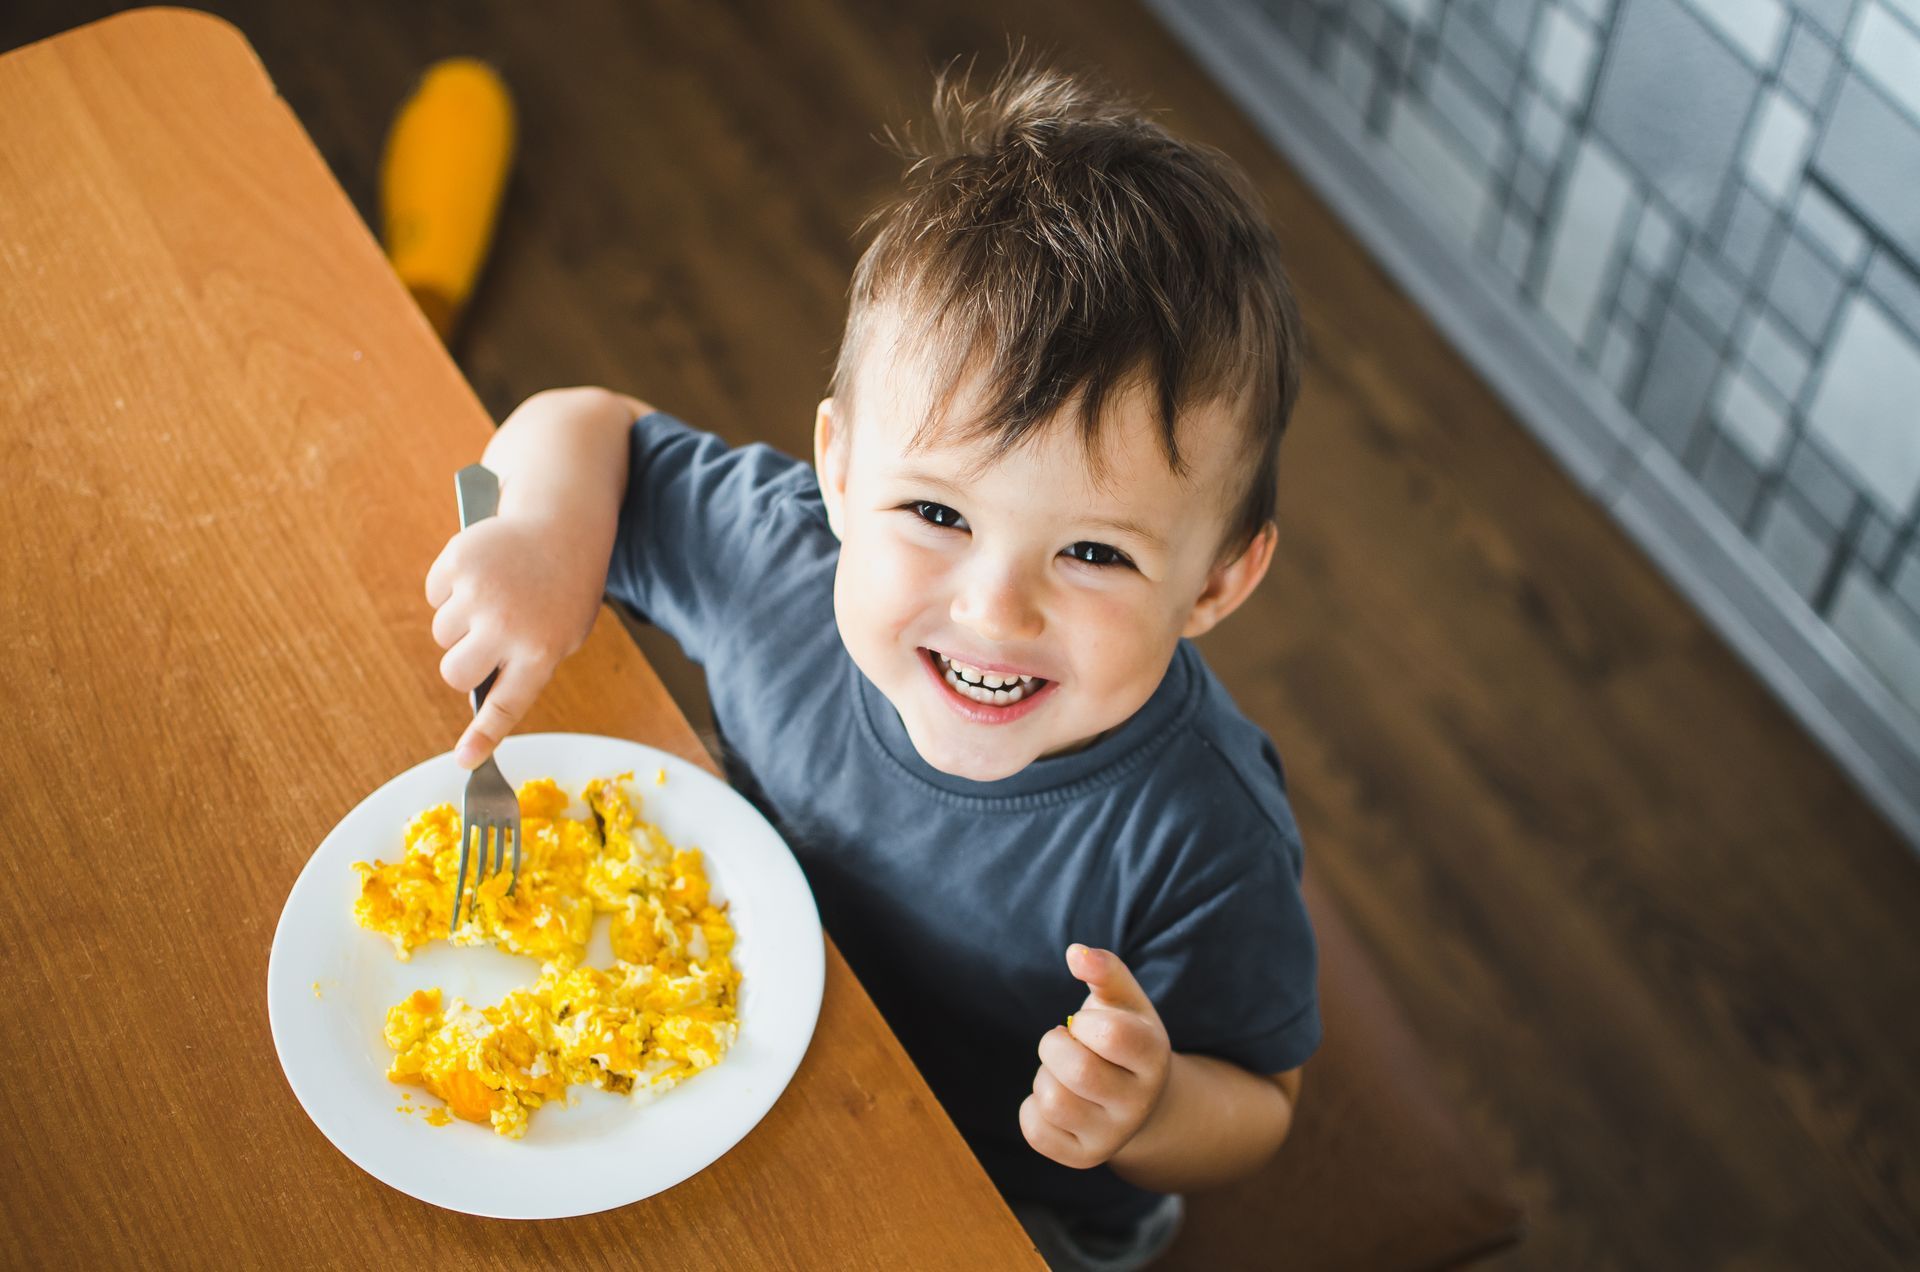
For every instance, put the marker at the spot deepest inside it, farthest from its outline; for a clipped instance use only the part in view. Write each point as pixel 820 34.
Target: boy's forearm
pixel 563 454
pixel 1215 1123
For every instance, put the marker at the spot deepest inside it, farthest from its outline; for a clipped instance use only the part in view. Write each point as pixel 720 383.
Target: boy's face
pixel 1022 570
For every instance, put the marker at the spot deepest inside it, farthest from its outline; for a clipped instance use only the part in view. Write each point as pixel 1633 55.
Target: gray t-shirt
pixel 1169 840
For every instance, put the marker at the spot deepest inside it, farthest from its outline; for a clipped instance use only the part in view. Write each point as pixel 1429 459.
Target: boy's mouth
pixel 984 694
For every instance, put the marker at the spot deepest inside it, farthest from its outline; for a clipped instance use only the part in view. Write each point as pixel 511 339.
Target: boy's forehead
pixel 895 402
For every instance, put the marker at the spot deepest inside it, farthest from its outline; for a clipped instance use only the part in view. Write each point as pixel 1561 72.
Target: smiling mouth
pixel 985 688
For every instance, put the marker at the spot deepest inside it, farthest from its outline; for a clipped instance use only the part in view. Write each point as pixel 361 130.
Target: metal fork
pixel 490 811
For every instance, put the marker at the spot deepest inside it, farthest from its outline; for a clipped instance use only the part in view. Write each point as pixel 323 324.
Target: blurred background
pixel 1593 642
pixel 1680 236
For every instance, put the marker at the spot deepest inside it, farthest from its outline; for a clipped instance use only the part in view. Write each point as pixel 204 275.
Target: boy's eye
pixel 1098 554
pixel 937 514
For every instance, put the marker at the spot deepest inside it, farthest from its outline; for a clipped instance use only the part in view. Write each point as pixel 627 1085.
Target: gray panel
pixel 1302 21
pixel 1512 20
pixel 1870 155
pixel 1897 288
pixel 1530 178
pixel 1820 483
pixel 1906 577
pixel 1805 288
pixel 1730 478
pixel 1808 65
pixel 1543 130
pixel 1678 380
pixel 1776 358
pixel 1799 546
pixel 1369 17
pixel 1711 291
pixel 1664 67
pixel 1394 49
pixel 1654 241
pixel 1748 229
pixel 1875 543
pixel 1496 67
pixel 1831 14
pixel 1353 74
pixel 1636 295
pixel 1470 117
pixel 1829 227
pixel 1516 244
pixel 1619 357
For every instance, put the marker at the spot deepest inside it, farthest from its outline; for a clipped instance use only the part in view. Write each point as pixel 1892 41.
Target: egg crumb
pixel 316 989
pixel 664 1011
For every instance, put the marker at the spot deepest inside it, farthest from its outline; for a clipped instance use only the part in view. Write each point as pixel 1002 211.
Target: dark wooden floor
pixel 1663 954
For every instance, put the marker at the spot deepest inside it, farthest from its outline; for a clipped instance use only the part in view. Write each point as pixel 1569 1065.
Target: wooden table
pixel 228 440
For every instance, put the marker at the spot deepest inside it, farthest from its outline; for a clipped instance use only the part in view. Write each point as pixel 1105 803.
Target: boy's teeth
pixel 982 679
pixel 979 693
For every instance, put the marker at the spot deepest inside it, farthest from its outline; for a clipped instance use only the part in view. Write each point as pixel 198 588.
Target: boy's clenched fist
pixel 1101 1075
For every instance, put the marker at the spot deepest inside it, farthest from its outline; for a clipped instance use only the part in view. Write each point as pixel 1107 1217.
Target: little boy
pixel 951 660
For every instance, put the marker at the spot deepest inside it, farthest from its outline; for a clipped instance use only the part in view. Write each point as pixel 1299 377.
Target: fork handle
pixel 478 491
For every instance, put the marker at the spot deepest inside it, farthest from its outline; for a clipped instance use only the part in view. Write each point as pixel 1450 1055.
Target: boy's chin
pixel 964 762
pixel 974 768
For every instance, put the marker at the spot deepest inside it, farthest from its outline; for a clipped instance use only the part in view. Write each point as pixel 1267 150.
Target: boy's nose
pixel 999 605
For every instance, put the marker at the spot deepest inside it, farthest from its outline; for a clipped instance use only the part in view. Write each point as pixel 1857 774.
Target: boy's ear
pixel 830 452
pixel 1232 582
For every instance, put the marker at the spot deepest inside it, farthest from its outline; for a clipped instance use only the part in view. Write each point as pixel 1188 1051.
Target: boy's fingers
pixel 1123 1038
pixel 1062 1107
pixel 1047 1139
pixel 469 661
pixel 440 577
pixel 1109 980
pixel 1079 1069
pixel 450 623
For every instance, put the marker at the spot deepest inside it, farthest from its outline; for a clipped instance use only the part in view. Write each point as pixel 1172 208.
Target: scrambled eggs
pixel 664 1011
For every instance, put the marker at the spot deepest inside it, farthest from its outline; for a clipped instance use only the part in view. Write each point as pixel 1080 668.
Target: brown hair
pixel 1073 249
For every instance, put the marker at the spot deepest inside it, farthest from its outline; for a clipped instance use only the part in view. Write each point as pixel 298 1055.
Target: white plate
pixel 605 1150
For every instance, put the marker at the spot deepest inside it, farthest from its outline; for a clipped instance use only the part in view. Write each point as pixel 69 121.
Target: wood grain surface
pixel 229 441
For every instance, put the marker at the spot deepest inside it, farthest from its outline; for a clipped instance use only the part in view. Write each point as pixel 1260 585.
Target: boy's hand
pixel 1101 1075
pixel 517 593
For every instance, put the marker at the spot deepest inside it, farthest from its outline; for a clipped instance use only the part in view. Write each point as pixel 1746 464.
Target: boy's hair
pixel 1071 248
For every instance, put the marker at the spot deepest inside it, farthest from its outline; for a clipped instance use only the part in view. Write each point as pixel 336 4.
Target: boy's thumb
pixel 1109 979
pixel 472 748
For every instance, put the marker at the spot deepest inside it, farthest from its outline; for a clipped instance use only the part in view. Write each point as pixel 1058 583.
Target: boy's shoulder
pixel 1218 779
pixel 755 472
pixel 710 533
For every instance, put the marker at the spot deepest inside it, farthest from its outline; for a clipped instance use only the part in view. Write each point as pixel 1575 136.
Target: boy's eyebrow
pixel 926 478
pixel 1130 527
pixel 1124 525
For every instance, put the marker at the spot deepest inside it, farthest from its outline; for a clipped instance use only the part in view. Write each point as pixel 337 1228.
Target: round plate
pixel 330 982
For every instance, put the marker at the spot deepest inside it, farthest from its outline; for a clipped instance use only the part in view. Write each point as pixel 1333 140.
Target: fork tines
pixel 490 834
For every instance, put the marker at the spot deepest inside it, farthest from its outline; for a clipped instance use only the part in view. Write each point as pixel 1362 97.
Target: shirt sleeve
pixel 696 530
pixel 1233 972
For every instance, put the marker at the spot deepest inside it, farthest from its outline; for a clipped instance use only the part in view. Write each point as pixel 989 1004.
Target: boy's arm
pixel 1215 1122
pixel 518 592
pixel 564 452
pixel 1111 1090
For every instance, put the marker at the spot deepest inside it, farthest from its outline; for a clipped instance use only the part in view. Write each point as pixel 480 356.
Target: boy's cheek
pixel 876 603
pixel 887 578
